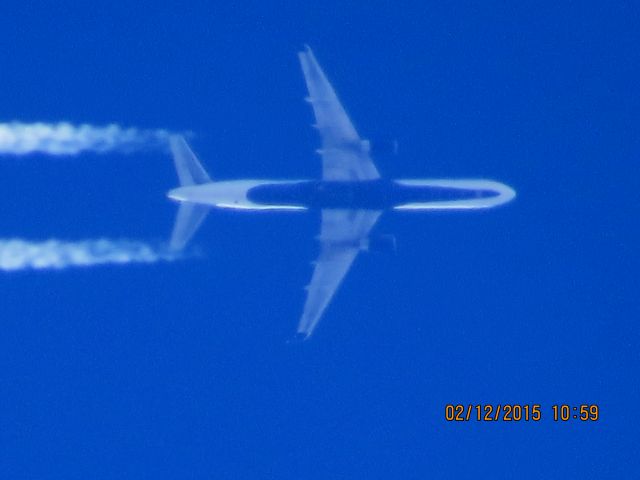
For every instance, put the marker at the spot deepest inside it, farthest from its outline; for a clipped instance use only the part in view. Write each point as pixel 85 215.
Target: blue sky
pixel 182 369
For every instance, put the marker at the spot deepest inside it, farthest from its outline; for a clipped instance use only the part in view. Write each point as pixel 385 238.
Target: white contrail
pixel 64 138
pixel 19 254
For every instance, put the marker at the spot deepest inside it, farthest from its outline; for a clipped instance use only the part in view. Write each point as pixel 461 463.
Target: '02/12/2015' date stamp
pixel 513 412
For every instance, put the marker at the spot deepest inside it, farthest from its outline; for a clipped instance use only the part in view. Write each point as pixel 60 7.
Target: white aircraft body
pixel 351 194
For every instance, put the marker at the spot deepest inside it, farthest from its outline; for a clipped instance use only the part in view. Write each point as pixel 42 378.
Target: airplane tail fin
pixel 190 172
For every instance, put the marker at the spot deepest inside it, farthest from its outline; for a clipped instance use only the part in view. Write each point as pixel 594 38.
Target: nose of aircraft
pixel 507 193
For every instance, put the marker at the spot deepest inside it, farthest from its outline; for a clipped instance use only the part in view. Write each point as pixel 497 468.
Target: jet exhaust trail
pixel 19 254
pixel 17 138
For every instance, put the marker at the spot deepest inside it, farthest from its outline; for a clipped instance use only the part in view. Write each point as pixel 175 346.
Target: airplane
pixel 351 195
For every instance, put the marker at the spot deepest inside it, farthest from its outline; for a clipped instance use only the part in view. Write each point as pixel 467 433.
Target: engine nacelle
pixel 380 244
pixel 377 244
pixel 382 147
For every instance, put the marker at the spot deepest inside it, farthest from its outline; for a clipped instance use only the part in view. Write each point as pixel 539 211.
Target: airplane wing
pixel 345 156
pixel 341 237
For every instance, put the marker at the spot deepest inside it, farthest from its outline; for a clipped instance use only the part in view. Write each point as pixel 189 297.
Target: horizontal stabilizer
pixel 189 218
pixel 190 171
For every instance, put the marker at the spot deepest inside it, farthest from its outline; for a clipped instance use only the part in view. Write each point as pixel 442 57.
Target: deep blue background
pixel 182 370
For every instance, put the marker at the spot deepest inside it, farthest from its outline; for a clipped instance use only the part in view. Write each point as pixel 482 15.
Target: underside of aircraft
pixel 351 195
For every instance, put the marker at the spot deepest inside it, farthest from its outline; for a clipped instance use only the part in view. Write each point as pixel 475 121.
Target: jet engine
pixel 383 147
pixel 380 244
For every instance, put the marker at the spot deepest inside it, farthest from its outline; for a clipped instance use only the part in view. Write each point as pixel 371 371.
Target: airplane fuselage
pixel 351 194
pixel 380 194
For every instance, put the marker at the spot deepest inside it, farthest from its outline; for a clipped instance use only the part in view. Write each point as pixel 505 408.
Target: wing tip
pixel 306 52
pixel 298 338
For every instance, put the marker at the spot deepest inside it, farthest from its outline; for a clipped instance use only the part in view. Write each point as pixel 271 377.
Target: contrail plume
pixel 17 138
pixel 18 254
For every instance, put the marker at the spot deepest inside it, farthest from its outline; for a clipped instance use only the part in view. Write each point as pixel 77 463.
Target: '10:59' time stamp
pixel 520 412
